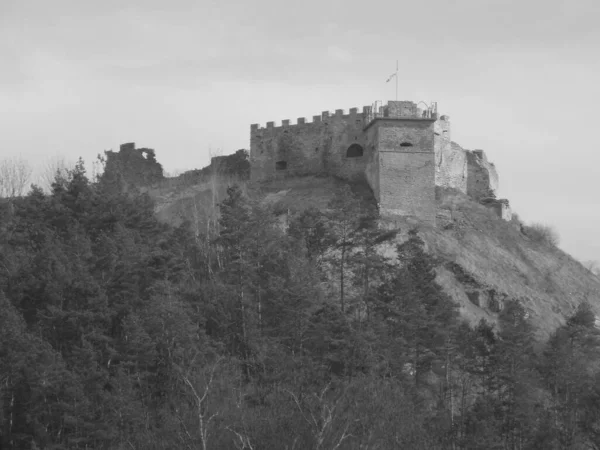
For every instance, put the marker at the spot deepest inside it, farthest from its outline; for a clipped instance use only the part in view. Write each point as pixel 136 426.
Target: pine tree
pixel 419 314
pixel 344 221
pixel 570 367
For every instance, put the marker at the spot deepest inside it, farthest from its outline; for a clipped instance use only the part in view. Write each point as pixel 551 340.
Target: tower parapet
pixel 405 110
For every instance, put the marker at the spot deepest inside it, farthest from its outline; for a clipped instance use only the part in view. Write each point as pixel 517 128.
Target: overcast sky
pixel 518 78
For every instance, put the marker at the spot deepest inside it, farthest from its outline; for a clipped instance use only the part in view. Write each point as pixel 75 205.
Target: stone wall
pixel 450 158
pixel 309 148
pixel 400 109
pixel 406 168
pixel 372 168
pixel 482 178
pixel 132 167
pixel 501 207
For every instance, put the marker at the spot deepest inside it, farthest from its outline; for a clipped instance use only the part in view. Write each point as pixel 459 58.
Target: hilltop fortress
pixel 402 149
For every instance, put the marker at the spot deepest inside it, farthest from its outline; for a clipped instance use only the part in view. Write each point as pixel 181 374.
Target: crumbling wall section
pixel 450 158
pixel 501 207
pixel 482 177
pixel 132 166
pixel 310 148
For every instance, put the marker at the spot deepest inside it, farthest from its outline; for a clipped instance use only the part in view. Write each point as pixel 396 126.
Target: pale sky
pixel 518 78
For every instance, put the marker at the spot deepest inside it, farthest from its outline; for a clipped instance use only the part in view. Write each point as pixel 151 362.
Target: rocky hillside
pixel 483 260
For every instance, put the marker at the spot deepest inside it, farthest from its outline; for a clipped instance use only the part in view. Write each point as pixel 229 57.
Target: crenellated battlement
pixel 324 117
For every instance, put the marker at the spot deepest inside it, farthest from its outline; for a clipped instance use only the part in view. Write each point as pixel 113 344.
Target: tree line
pixel 120 332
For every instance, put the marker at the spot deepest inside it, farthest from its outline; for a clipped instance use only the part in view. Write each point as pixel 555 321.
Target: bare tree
pixel 320 414
pixel 15 174
pixel 242 436
pixel 56 166
pixel 201 395
pixel 98 166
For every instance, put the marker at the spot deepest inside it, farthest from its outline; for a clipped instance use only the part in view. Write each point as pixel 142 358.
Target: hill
pixel 483 261
pixel 285 315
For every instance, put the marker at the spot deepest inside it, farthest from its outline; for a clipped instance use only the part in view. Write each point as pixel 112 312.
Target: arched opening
pixel 281 165
pixel 354 151
pixel 406 144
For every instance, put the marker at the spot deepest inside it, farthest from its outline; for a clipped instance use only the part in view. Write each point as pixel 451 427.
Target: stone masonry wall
pixel 482 178
pixel 132 166
pixel 406 173
pixel 305 148
pixel 450 158
pixel 501 207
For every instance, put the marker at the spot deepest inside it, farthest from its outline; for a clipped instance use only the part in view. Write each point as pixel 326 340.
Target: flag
pixel 391 76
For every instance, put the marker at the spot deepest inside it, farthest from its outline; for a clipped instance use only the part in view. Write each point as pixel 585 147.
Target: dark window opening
pixel 281 165
pixel 406 144
pixel 354 151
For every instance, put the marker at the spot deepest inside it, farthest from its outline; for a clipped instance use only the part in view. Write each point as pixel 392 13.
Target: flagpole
pixel 396 80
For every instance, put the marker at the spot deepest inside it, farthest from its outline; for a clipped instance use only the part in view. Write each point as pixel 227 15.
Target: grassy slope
pixel 494 260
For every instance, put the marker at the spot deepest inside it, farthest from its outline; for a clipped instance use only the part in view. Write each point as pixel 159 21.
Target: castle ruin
pixel 402 149
pixel 132 166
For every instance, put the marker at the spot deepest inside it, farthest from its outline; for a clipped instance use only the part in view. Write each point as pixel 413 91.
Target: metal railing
pixel 379 110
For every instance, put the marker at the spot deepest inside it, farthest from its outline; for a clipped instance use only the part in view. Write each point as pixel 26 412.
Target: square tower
pixel 402 170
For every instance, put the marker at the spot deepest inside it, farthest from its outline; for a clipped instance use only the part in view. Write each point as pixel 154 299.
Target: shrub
pixel 592 266
pixel 516 219
pixel 543 234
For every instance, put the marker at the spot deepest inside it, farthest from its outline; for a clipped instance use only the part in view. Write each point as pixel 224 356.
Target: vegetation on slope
pixel 120 332
pixel 507 260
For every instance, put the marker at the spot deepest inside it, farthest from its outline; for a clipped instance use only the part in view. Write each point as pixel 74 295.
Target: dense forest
pixel 121 332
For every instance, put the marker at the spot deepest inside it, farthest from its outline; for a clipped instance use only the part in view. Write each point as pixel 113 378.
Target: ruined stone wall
pixel 406 168
pixel 501 207
pixel 132 166
pixel 450 158
pixel 309 148
pixel 506 211
pixel 482 177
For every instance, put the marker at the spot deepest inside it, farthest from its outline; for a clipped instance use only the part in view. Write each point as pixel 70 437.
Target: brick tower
pixel 402 172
